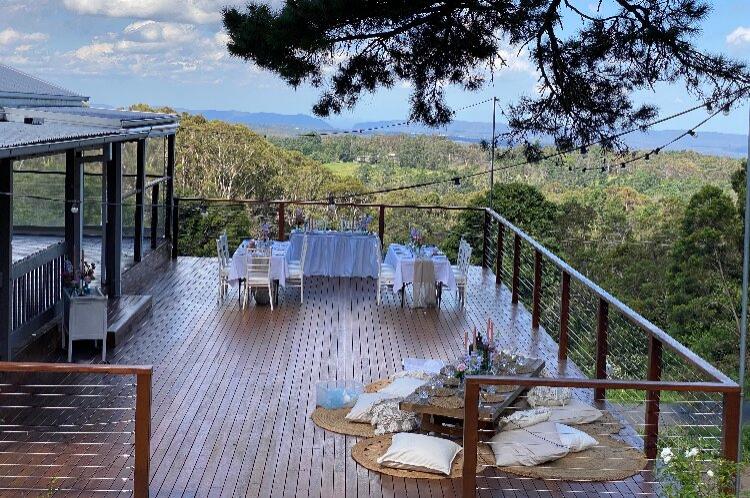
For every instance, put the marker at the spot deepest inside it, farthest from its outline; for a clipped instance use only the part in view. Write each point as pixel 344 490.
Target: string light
pixel 457 181
pixel 691 133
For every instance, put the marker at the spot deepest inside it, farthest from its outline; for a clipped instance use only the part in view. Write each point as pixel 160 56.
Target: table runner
pixel 424 283
pixel 403 262
pixel 337 254
pixel 279 264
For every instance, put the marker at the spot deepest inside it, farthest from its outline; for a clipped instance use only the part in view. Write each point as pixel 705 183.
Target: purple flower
pixel 461 367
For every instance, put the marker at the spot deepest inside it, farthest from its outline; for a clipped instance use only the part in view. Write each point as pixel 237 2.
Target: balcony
pixel 233 390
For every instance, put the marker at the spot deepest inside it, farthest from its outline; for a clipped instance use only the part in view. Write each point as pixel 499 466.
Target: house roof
pixel 40 117
pixel 18 87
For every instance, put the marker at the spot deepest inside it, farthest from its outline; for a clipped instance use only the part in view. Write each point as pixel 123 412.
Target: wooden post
pixel 652 398
pixel 140 196
pixel 142 435
pixel 176 229
pixel 282 221
pixel 381 225
pixel 516 267
pixel 73 207
pixel 106 157
pixel 562 349
pixel 602 324
pixel 499 255
pixel 154 215
pixel 114 222
pixel 6 257
pixel 169 193
pixel 731 426
pixel 536 311
pixel 486 239
pixel 471 439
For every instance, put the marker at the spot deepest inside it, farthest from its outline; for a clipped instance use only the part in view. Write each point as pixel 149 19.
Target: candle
pixel 475 338
pixel 466 340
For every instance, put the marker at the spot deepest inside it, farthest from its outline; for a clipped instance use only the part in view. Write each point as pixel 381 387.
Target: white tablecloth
pixel 337 254
pixel 279 265
pixel 402 261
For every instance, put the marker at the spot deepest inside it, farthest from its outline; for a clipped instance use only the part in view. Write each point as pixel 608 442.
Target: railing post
pixel 653 398
pixel 169 193
pixel 282 221
pixel 154 215
pixel 471 439
pixel 485 239
pixel 516 267
pixel 7 307
pixel 140 199
pixel 381 225
pixel 142 435
pixel 499 255
pixel 536 310
pixel 175 227
pixel 562 348
pixel 731 426
pixel 602 324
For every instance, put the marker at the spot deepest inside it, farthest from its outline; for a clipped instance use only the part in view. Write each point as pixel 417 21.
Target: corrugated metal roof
pixel 14 81
pixel 105 117
pixel 19 134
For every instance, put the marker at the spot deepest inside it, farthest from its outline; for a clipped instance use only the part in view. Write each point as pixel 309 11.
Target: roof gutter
pixel 128 135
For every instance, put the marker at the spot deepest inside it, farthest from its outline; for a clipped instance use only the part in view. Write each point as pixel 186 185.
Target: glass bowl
pixel 335 394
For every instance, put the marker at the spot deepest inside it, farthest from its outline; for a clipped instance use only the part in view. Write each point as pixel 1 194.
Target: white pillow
pixel 431 366
pixel 574 413
pixel 362 409
pixel 574 439
pixel 403 386
pixel 548 396
pixel 528 447
pixel 420 452
pixel 525 418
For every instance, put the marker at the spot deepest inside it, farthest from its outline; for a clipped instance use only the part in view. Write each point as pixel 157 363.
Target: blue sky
pixel 171 52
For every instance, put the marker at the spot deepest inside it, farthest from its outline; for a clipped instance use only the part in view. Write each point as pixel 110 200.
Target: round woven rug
pixel 335 421
pixel 610 460
pixel 607 424
pixel 367 451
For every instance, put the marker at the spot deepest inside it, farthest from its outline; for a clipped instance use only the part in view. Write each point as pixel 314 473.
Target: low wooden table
pixel 449 421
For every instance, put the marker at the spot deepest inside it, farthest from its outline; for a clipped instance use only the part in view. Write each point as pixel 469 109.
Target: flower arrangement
pixel 299 218
pixel 416 237
pixel 81 279
pixel 265 232
pixel 364 223
pixel 688 472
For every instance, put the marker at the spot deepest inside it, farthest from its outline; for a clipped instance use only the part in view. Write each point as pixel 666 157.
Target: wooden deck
pixel 233 390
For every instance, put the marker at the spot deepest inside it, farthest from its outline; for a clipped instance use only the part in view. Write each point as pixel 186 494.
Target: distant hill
pixel 284 124
pixel 711 143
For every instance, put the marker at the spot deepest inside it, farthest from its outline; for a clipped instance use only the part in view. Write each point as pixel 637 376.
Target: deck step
pixel 124 313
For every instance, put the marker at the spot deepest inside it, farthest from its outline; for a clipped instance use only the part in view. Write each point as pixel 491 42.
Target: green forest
pixel 663 235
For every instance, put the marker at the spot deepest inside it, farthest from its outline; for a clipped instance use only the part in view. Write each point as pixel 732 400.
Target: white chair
pixel 386 273
pixel 224 260
pixel 461 270
pixel 258 274
pixel 87 320
pixel 296 275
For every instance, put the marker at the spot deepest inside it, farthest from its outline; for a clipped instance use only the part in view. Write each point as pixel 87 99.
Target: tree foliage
pixel 589 64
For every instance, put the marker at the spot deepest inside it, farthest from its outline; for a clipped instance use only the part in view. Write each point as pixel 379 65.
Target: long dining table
pixel 337 253
pixel 404 263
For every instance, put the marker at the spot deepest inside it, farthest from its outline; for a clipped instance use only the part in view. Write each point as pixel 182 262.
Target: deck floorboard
pixel 233 390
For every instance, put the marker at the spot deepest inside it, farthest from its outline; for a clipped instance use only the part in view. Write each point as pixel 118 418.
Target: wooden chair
pixel 258 274
pixel 223 259
pixel 296 276
pixel 386 273
pixel 461 270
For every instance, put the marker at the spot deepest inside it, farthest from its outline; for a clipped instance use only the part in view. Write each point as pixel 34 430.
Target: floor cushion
pixel 420 452
pixel 529 446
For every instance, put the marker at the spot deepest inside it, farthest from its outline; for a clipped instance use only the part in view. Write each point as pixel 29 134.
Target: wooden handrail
pixel 209 200
pixel 143 375
pixel 730 423
pixel 632 316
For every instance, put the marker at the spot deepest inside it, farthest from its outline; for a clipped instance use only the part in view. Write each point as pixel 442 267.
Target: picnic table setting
pixel 411 423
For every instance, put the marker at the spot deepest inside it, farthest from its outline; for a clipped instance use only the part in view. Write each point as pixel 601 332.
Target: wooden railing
pixel 730 393
pixel 36 294
pixel 142 426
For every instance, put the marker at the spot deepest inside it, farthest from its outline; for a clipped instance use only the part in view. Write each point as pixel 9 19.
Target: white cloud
pixel 158 32
pixel 739 36
pixel 192 11
pixel 10 36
